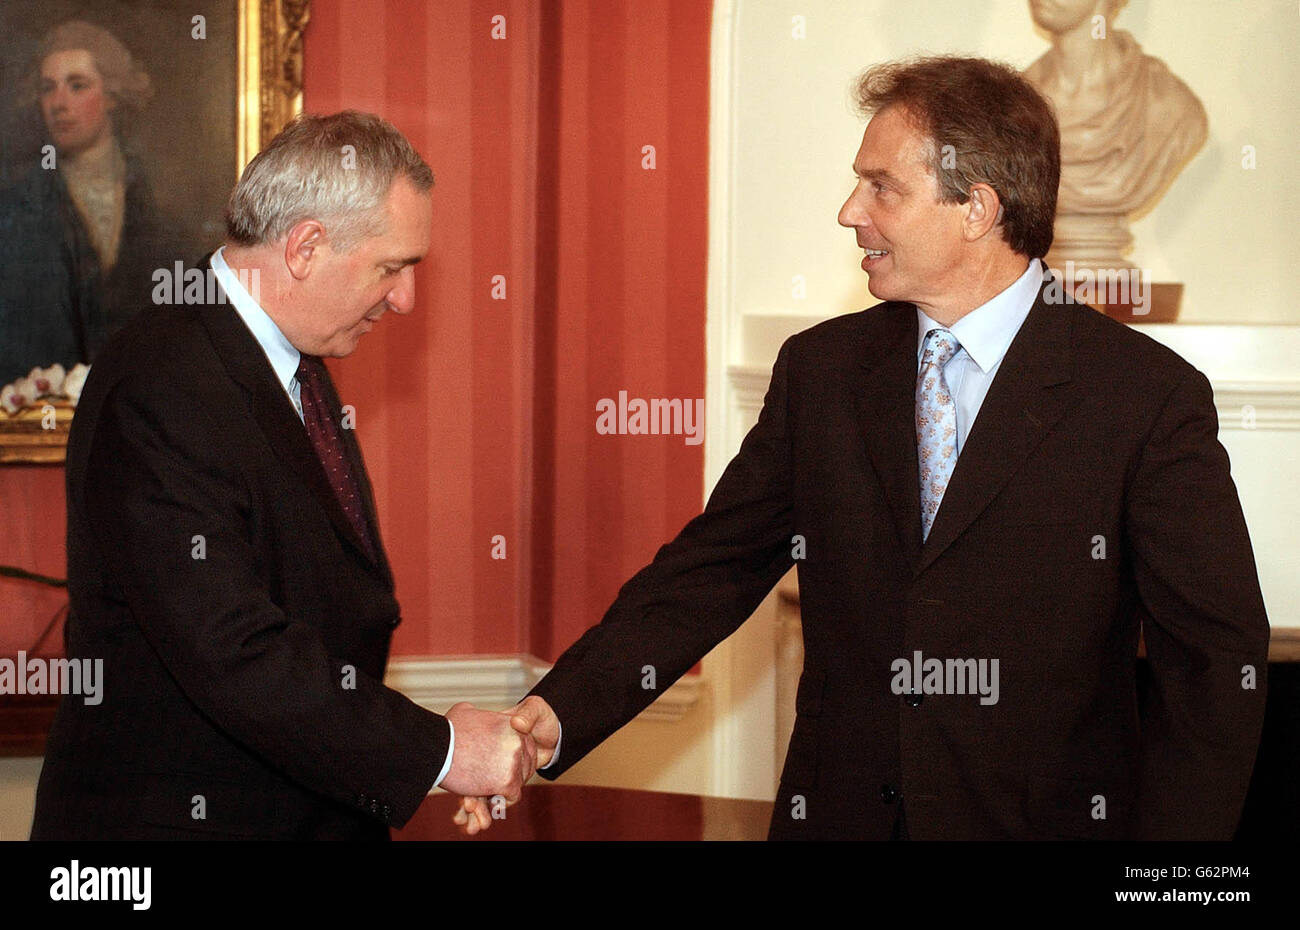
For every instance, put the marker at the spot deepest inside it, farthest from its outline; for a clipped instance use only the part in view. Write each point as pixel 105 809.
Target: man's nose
pixel 57 99
pixel 402 297
pixel 852 214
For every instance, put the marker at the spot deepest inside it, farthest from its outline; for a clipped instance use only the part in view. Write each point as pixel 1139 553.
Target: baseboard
pixel 496 682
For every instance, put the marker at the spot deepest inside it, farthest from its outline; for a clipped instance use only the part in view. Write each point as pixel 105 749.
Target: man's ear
pixel 300 247
pixel 983 212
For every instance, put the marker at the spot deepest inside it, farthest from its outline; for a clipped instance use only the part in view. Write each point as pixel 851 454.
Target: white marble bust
pixel 1128 126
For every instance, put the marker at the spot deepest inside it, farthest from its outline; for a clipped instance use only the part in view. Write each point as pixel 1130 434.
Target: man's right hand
pixel 491 757
pixel 534 719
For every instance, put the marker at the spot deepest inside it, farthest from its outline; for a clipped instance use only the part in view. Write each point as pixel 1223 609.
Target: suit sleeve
pixel 1205 626
pixel 156 479
pixel 700 587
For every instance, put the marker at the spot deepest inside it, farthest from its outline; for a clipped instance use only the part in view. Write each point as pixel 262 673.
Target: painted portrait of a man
pixel 79 230
pixel 118 133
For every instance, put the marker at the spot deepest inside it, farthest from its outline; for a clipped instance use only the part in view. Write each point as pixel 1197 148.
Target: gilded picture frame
pixel 267 48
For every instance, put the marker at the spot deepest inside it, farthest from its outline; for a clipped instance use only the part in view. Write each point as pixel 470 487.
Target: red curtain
pixel 569 142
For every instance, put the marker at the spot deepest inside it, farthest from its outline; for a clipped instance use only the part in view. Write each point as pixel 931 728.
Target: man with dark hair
pixel 991 496
pixel 980 123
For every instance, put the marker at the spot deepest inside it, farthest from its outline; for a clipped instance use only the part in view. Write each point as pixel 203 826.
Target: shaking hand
pixel 492 755
pixel 531 719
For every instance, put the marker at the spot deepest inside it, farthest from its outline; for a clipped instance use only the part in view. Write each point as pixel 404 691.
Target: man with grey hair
pixel 223 553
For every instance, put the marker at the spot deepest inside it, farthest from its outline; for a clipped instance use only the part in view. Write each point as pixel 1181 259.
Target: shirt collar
pixel 986 332
pixel 284 358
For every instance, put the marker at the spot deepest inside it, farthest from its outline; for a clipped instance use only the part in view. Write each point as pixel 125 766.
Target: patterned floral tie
pixel 936 424
pixel 327 439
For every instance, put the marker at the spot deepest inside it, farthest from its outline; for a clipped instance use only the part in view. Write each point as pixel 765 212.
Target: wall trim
pixel 725 736
pixel 748 385
pixel 1275 403
pixel 496 682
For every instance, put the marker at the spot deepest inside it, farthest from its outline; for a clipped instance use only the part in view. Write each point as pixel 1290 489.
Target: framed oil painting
pixel 123 126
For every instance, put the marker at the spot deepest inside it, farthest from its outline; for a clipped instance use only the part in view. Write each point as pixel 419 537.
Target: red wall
pixel 477 416
pixel 33 521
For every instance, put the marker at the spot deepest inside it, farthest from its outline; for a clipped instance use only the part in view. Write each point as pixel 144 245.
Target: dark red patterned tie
pixel 326 438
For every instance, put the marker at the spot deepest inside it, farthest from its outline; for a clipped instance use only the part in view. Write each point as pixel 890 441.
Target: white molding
pixel 673 704
pixel 498 682
pixel 1276 403
pixel 748 385
pixel 719 665
pixel 438 682
pixel 720 333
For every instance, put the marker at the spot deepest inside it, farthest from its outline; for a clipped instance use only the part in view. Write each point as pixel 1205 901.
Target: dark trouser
pixel 900 824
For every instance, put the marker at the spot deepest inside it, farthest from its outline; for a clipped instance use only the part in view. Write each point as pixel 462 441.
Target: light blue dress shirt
pixel 985 335
pixel 284 359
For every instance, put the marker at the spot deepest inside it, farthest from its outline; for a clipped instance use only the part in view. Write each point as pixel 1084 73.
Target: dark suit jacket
pixel 250 676
pixel 1089 430
pixel 57 304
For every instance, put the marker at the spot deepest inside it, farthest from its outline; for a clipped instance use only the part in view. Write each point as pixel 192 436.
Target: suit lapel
pixel 886 415
pixel 1029 394
pixel 277 419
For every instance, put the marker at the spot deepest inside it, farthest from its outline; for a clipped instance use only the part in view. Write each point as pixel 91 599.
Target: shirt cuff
pixel 451 748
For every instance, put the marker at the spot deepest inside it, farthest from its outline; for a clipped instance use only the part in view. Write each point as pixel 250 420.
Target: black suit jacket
pixel 243 629
pixel 1090 434
pixel 57 304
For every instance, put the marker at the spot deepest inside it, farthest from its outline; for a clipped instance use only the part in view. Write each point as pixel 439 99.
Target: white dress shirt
pixel 284 359
pixel 985 335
